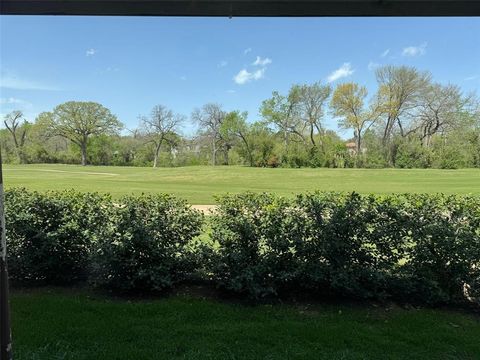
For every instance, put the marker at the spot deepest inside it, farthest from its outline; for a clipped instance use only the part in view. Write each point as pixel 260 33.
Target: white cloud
pixel 372 65
pixel 469 78
pixel 223 63
pixel 262 62
pixel 12 100
pixel 90 52
pixel 246 51
pixel 385 53
pixel 231 91
pixel 245 76
pixel 343 71
pixel 9 81
pixel 415 50
pixel 183 78
pixel 11 103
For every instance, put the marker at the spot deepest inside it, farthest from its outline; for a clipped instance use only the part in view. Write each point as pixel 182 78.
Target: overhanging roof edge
pixel 240 8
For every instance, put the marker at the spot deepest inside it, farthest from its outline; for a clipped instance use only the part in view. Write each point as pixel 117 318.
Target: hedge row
pixel 413 247
pixel 130 244
pixel 422 248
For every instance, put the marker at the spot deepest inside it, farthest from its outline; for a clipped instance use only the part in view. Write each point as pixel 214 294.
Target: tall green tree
pixel 235 127
pixel 441 110
pixel 283 112
pixel 348 104
pixel 398 98
pixel 312 100
pixel 17 127
pixel 78 121
pixel 209 118
pixel 159 128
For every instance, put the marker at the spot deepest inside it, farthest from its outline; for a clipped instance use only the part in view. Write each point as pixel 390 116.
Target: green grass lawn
pixel 198 184
pixel 73 324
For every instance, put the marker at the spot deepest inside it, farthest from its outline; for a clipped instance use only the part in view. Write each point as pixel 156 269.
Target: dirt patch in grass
pixel 206 209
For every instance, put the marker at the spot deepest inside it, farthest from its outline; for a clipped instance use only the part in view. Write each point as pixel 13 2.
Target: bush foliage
pixel 145 244
pixel 135 243
pixel 409 248
pixel 50 235
pixel 422 248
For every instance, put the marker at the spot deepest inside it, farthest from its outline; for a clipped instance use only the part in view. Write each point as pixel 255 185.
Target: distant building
pixel 352 148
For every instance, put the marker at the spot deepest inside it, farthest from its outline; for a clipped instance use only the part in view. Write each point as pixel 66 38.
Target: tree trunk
pixel 83 148
pixel 393 154
pixel 359 147
pixel 250 156
pixel 214 152
pixel 285 144
pixel 359 142
pixel 225 156
pixel 21 155
pixel 157 151
pixel 320 133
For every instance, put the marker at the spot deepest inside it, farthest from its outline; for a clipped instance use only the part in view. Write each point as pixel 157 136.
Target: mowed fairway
pixel 199 184
pixel 51 324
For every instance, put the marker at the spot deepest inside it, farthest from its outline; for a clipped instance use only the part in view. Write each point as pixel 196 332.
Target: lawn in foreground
pixel 68 324
pixel 199 184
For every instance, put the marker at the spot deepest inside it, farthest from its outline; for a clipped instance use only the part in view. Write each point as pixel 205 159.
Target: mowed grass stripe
pixel 199 184
pixel 69 324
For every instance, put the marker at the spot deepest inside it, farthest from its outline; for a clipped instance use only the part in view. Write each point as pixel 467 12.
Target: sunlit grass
pixel 199 184
pixel 69 324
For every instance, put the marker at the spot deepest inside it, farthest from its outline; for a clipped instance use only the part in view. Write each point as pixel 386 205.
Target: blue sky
pixel 131 64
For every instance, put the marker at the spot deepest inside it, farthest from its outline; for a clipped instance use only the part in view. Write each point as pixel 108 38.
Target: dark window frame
pixel 240 8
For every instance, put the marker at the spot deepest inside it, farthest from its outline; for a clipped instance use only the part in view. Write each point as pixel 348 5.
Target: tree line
pixel 410 121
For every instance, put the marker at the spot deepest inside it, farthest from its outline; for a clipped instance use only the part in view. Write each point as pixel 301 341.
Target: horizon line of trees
pixel 410 121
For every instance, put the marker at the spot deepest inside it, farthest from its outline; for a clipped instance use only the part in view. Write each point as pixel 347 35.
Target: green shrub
pixel 49 235
pixel 254 236
pixel 411 154
pixel 353 243
pixel 411 248
pixel 443 264
pixel 135 243
pixel 422 248
pixel 145 244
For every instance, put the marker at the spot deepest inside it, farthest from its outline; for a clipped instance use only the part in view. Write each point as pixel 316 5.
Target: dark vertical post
pixel 5 332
